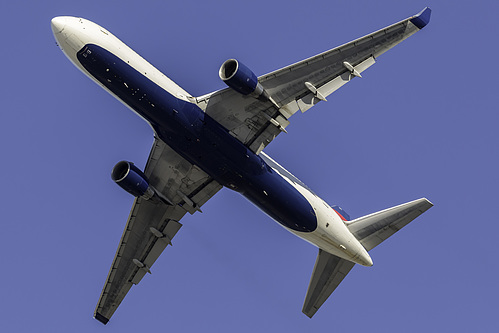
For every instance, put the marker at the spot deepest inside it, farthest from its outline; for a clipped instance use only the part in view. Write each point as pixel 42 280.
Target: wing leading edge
pixel 302 85
pixel 373 229
pixel 152 225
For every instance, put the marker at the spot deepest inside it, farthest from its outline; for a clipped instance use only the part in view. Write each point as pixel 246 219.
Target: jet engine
pixel 132 180
pixel 243 80
pixel 238 77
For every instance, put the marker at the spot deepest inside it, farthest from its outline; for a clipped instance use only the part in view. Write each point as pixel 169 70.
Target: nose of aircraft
pixel 58 23
pixel 69 33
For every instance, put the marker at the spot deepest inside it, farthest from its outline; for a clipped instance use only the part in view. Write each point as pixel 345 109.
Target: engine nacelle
pixel 244 81
pixel 240 78
pixel 132 180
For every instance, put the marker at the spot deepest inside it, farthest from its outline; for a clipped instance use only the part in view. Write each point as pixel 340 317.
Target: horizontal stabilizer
pixel 370 230
pixel 329 271
pixel 374 228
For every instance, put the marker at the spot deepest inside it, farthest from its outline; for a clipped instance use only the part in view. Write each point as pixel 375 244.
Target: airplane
pixel 202 144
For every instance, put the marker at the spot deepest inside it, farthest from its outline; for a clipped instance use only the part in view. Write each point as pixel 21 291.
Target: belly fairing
pixel 201 140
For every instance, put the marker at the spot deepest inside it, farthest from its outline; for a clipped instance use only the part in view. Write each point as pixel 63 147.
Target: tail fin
pixel 374 228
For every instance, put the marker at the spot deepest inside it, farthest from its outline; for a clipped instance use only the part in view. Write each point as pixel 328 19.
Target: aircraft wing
pixel 329 271
pixel 153 223
pixel 302 85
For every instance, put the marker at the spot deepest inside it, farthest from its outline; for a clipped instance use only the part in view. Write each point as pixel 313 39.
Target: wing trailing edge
pixel 258 121
pixel 329 271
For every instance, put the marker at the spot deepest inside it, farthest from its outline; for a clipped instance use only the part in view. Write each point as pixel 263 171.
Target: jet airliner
pixel 204 143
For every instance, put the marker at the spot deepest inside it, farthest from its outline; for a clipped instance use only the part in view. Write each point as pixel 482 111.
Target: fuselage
pixel 201 140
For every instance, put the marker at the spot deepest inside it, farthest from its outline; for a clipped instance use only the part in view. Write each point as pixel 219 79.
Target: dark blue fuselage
pixel 201 140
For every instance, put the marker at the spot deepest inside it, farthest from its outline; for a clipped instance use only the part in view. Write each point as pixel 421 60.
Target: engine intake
pixel 240 78
pixel 132 180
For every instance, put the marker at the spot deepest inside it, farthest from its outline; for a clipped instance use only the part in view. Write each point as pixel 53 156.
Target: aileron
pixel 153 224
pixel 253 121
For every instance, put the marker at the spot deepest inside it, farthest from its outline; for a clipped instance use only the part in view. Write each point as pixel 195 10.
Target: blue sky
pixel 422 122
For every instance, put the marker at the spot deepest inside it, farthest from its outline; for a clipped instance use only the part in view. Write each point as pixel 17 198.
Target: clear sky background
pixel 422 122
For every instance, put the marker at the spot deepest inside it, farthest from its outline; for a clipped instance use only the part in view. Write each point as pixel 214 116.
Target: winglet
pixel 421 20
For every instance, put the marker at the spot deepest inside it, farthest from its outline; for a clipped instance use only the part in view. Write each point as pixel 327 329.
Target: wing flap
pixel 256 123
pixel 152 224
pixel 328 88
pixel 288 83
pixel 163 239
pixel 329 271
